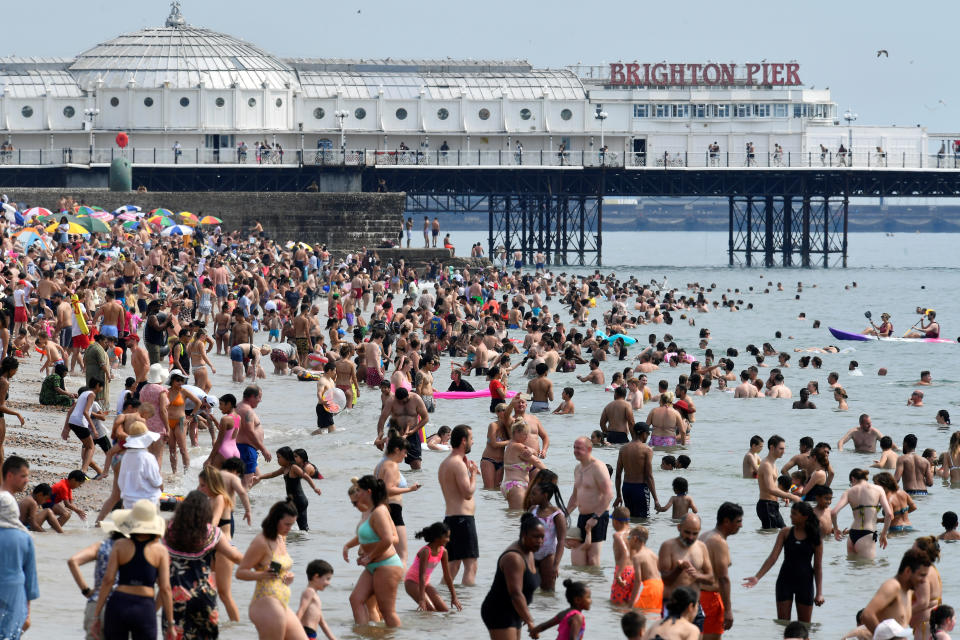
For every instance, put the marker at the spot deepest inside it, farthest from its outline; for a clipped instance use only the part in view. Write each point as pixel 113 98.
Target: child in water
pixel 417 580
pixel 566 403
pixel 310 613
pixel 680 501
pixel 572 623
pixel 949 523
pixel 941 621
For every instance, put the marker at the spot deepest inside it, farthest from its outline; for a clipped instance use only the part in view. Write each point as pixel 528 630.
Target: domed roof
pixel 182 55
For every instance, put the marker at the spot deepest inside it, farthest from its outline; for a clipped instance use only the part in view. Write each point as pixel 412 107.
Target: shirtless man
pixel 595 376
pixel 715 597
pixel 635 468
pixel 407 414
pixel 301 334
pixel 684 561
pixel 616 419
pixel 893 600
pixel 925 379
pixel 346 378
pixel 372 358
pixel 325 385
pixel 250 436
pixel 537 438
pixel 864 436
pixel 139 358
pixel 111 316
pixel 779 389
pixel 425 384
pixel 768 507
pixel 751 460
pixel 457 476
pixel 592 494
pixel 916 471
pixel 541 389
pixel 666 422
pixel 745 389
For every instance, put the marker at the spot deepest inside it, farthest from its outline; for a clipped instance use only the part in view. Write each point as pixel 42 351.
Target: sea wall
pixel 339 220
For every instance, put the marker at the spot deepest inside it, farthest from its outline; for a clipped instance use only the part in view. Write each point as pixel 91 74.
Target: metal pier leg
pixel 582 242
pixel 846 211
pixel 768 231
pixel 523 230
pixel 787 231
pixel 826 232
pixel 562 244
pixel 508 236
pixel 749 231
pixel 805 239
pixel 729 232
pixel 490 227
pixel 545 217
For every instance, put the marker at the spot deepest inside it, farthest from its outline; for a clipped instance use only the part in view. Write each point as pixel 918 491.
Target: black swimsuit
pixel 796 573
pixel 497 611
pixel 296 496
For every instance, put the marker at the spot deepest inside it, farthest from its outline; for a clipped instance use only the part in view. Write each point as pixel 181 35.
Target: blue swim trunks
pixel 249 456
pixel 236 354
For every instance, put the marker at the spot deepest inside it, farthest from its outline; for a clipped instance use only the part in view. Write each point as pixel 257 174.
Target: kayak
pixel 464 395
pixel 849 335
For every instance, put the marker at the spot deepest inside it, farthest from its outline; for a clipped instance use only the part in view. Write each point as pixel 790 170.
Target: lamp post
pixel 850 117
pixel 91 115
pixel 601 115
pixel 341 115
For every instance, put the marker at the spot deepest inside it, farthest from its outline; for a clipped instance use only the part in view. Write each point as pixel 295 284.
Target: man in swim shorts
pixel 715 597
pixel 635 467
pixel 592 494
pixel 457 476
pixel 540 390
pixel 616 419
pixel 684 561
pixel 768 508
pixel 916 471
pixel 250 436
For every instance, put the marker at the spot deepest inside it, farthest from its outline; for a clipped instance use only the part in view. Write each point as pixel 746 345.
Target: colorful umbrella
pixel 188 218
pixel 74 230
pixel 162 212
pixel 210 220
pixel 37 211
pixel 102 215
pixel 27 236
pixel 177 230
pixel 127 208
pixel 94 225
pixel 128 216
pixel 86 211
pixel 131 225
pixel 162 221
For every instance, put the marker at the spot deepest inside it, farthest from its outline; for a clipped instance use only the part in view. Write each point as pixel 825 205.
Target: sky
pixel 835 43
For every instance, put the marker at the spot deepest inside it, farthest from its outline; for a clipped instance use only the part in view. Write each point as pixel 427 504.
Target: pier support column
pixel 768 223
pixel 846 212
pixel 749 231
pixel 805 237
pixel 787 231
pixel 729 231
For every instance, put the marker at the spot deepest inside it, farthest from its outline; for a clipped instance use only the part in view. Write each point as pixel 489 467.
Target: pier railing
pixel 856 159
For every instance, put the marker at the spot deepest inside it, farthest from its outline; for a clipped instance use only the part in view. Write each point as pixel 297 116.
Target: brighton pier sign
pixel 784 74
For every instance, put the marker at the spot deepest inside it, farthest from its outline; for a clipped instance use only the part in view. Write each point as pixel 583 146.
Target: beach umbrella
pixel 131 225
pixel 74 230
pixel 162 212
pixel 28 236
pixel 127 208
pixel 85 211
pixel 129 216
pixel 94 225
pixel 188 218
pixel 102 215
pixel 37 211
pixel 177 230
pixel 210 220
pixel 162 221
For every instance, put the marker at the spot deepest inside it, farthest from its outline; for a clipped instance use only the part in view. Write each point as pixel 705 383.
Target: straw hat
pixel 157 374
pixel 143 519
pixel 139 437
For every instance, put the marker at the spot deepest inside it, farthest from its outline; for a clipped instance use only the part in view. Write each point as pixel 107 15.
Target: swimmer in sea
pixel 866 502
pixel 751 460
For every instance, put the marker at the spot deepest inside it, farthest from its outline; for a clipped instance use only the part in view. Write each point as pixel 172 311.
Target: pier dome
pixel 183 56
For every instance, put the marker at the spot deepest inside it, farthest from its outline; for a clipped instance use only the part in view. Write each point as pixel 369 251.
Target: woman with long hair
pixel 928 594
pixel 900 502
pixel 866 502
pixel 802 569
pixel 554 518
pixel 376 537
pixel 268 563
pixel 681 610
pixel 176 417
pixel 950 460
pixel 193 543
pixel 210 484
pixel 518 462
pixel 817 482
pixel 388 470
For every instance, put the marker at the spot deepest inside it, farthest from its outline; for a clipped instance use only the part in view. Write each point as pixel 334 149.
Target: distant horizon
pixel 907 85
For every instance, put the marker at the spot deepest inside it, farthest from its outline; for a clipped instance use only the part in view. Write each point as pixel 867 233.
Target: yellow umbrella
pixel 74 230
pixel 189 218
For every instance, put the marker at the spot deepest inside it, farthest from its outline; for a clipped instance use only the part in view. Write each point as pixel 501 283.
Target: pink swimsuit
pixel 228 448
pixel 413 574
pixel 563 630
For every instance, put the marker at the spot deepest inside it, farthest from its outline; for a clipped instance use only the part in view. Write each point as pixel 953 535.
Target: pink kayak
pixel 839 334
pixel 465 395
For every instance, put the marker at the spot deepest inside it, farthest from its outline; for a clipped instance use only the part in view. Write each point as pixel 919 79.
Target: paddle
pixel 913 327
pixel 869 317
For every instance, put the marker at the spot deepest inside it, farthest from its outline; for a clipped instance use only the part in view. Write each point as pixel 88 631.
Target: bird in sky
pixel 882 52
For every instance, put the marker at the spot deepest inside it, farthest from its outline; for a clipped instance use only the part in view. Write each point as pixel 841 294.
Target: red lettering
pixel 792 78
pixel 632 78
pixel 711 69
pixel 694 73
pixel 752 69
pixel 646 73
pixel 776 76
pixel 616 73
pixel 766 73
pixel 676 74
pixel 659 73
pixel 728 71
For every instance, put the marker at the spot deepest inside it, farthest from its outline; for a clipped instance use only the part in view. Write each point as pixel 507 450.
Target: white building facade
pixel 190 95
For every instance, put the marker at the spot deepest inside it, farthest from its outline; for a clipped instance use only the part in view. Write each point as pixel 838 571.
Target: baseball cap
pixel 890 629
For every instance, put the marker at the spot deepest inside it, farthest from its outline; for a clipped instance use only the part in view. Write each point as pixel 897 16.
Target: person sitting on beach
pixel 32 515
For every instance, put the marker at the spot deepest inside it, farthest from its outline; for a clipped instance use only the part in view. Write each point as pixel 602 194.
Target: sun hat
pixel 139 437
pixel 157 374
pixel 177 373
pixel 890 629
pixel 143 518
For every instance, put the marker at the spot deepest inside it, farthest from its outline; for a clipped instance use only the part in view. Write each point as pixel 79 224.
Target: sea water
pixel 892 274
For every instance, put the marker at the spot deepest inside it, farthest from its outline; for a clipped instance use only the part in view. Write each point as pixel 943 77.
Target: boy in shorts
pixel 310 613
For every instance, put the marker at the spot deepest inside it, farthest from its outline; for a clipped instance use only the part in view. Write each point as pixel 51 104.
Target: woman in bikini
pixel 900 501
pixel 518 462
pixel 950 460
pixel 491 460
pixel 199 361
pixel 866 501
pixel 176 418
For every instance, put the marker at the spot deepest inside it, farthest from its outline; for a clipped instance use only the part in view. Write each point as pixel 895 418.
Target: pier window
pixel 779 111
pixel 700 110
pixel 360 113
pixel 148 102
pixel 279 102
pixel 525 114
pixel 184 101
pixel 566 114
pixel 318 113
pixel 401 114
pixel 721 111
pixel 114 101
pixel 484 114
pixel 639 111
pixel 442 114
pixel 69 112
pixel 742 111
pixel 219 102
pixel 761 111
pixel 252 102
pixel 680 110
pixel 662 111
pixel 27 111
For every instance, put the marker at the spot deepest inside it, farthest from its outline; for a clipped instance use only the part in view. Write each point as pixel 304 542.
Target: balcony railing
pixel 856 159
